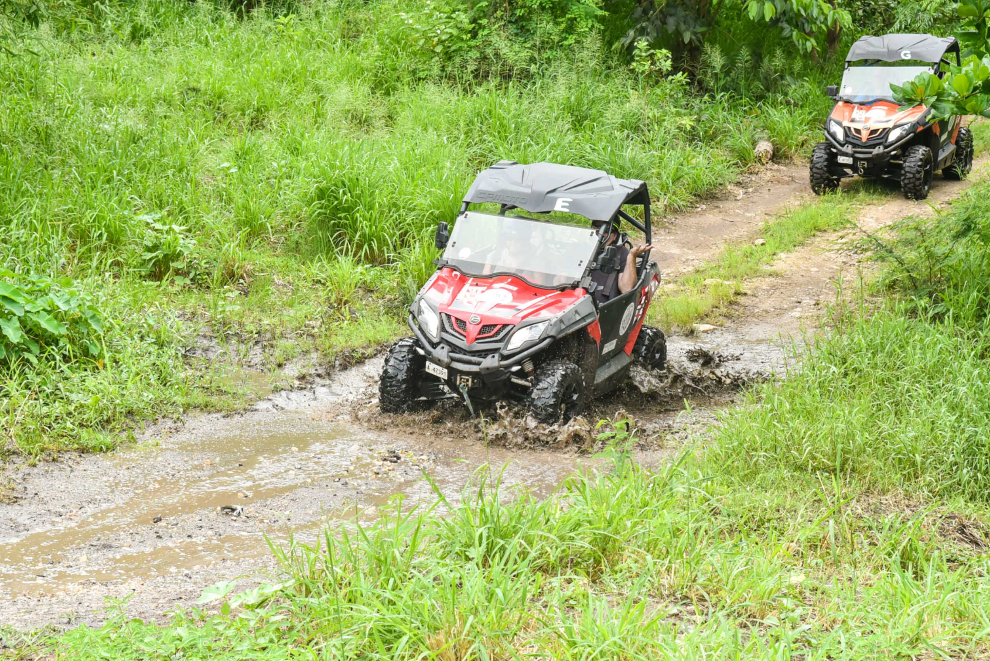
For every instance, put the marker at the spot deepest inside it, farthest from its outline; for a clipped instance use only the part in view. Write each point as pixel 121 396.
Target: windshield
pixel 863 84
pixel 544 254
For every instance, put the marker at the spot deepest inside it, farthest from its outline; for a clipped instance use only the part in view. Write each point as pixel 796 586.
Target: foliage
pixel 806 23
pixel 42 318
pixel 167 250
pixel 499 39
pixel 965 89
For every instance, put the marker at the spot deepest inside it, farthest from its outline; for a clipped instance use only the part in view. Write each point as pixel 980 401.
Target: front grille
pixel 877 137
pixel 488 338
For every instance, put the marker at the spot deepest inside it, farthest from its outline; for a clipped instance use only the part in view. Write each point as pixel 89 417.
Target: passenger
pixel 610 285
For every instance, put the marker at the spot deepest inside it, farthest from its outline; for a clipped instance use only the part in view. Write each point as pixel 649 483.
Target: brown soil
pixel 193 501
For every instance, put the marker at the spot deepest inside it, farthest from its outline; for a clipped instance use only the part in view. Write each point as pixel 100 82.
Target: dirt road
pixel 193 502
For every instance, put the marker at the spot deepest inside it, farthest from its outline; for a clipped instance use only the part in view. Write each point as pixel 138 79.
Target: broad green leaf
pixel 32 346
pixel 12 329
pixel 962 84
pixel 768 11
pixel 49 323
pixel 216 591
pixel 10 291
pixel 967 11
pixel 11 305
pixel 94 321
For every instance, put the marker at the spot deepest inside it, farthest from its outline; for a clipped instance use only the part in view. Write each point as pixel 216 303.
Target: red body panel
pixel 495 300
pixel 641 307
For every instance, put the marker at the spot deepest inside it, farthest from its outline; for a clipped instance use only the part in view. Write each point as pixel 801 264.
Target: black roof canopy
pixel 543 187
pixel 897 47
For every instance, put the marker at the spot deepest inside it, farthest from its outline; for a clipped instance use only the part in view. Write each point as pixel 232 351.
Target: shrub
pixel 44 317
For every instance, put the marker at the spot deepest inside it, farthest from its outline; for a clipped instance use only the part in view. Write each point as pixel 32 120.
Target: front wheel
pixel 962 164
pixel 917 172
pixel 650 349
pixel 557 392
pixel 398 390
pixel 822 162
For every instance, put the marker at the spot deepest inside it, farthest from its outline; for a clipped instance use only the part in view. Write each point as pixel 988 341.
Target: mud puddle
pixel 199 501
pixel 196 503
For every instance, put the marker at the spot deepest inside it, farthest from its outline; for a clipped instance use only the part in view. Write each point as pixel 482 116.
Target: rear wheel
pixel 917 173
pixel 822 161
pixel 962 164
pixel 557 392
pixel 398 390
pixel 650 349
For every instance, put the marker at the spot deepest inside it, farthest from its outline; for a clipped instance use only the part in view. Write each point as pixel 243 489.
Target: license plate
pixel 847 160
pixel 436 370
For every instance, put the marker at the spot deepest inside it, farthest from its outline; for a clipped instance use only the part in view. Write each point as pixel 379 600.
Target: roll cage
pixel 549 187
pixel 871 51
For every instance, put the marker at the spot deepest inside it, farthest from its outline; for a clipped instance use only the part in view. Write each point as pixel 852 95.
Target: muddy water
pixel 197 503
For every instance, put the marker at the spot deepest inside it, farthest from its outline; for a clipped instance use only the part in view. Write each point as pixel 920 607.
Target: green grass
pixel 707 290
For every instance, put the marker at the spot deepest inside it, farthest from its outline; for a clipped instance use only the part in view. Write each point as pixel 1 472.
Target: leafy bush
pixel 42 317
pixel 167 250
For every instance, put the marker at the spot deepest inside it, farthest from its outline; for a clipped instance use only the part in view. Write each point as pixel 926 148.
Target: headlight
pixel 526 334
pixel 835 128
pixel 898 132
pixel 429 320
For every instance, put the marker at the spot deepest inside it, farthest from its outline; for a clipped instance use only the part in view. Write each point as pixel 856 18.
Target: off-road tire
pixel 822 180
pixel 650 349
pixel 962 164
pixel 398 389
pixel 557 392
pixel 917 172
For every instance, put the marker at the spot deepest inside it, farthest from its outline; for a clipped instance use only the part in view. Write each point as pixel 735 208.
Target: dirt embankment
pixel 193 501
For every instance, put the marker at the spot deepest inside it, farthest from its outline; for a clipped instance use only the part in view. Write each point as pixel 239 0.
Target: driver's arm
pixel 627 279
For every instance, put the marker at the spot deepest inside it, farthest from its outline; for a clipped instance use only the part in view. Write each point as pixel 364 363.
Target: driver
pixel 610 285
pixel 514 247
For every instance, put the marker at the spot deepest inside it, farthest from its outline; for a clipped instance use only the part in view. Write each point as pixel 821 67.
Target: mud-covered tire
pixel 398 389
pixel 917 172
pixel 557 392
pixel 822 179
pixel 650 349
pixel 962 164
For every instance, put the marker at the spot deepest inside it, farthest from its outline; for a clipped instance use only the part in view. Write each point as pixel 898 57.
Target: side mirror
pixel 609 261
pixel 443 236
pixel 832 91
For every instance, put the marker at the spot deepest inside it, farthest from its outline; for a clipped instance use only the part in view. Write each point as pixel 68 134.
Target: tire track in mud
pixel 192 502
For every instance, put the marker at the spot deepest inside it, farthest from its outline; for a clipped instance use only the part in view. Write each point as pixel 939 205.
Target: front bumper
pixel 490 370
pixel 873 160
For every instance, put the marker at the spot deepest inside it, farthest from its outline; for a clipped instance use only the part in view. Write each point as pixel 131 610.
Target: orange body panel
pixel 865 120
